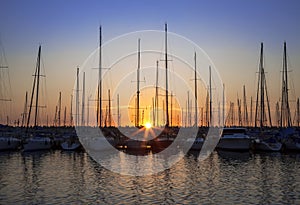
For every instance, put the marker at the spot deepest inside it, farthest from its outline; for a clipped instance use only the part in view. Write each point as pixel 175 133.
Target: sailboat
pixel 8 141
pixel 235 138
pixel 291 139
pixel 36 140
pixel 71 141
pixel 267 140
pixel 198 142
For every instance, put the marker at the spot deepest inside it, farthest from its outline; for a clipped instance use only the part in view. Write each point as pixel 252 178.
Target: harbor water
pixel 59 177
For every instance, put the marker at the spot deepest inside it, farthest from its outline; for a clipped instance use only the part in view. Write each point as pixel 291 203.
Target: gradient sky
pixel 230 32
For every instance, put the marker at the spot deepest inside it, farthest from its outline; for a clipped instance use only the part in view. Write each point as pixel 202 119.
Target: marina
pixel 128 102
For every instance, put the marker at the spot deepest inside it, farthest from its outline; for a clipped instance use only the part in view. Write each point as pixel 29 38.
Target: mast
pixel 77 99
pixel 245 120
pixel 137 123
pixel 24 115
pixel 187 113
pixel 109 109
pixel 188 109
pixel 37 88
pixel 156 97
pixel 65 116
pixel 196 98
pixel 298 112
pixel 99 100
pixel 260 89
pixel 277 114
pixel 83 99
pixel 71 114
pixel 210 98
pixel 118 99
pixel 55 117
pixel 36 74
pixel 219 113
pixel 59 108
pixel 251 112
pixel 285 108
pixel 268 103
pixel 223 107
pixel 239 112
pixel 262 94
pixel 88 111
pixel 207 108
pixel 153 111
pixel 166 63
pixel 171 119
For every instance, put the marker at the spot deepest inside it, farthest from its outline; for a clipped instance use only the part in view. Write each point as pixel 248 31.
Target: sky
pixel 230 32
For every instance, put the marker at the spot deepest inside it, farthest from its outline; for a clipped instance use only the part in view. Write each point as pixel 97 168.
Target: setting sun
pixel 148 125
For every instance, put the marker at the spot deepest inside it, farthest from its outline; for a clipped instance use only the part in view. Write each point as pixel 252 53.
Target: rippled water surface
pixel 59 177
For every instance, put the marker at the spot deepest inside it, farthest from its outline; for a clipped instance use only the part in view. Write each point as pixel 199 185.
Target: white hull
pixel 234 143
pixel 267 146
pixel 70 145
pixel 234 139
pixel 37 143
pixel 9 143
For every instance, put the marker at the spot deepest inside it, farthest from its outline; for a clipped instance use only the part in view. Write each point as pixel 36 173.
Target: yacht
pixel 234 139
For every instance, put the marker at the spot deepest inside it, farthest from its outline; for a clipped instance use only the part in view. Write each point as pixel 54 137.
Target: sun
pixel 148 125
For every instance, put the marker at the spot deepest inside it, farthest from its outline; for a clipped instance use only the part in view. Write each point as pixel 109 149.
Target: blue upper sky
pixel 229 31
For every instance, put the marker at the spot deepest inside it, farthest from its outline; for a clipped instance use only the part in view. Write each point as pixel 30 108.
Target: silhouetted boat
pixel 9 142
pixel 36 141
pixel 234 139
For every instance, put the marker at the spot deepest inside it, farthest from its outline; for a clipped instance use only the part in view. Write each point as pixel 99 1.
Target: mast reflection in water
pixel 58 177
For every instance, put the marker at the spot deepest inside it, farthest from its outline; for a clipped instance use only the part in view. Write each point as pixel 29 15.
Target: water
pixel 57 177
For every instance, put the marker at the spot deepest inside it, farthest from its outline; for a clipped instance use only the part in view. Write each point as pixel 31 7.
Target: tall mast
pixel 77 99
pixel 88 112
pixel 71 114
pixel 196 98
pixel 65 116
pixel 109 109
pixel 118 99
pixel 171 120
pixel 99 100
pixel 260 90
pixel 166 63
pixel 24 116
pixel 210 98
pixel 207 108
pixel 83 99
pixel 262 94
pixel 298 112
pixel 239 112
pixel 245 120
pixel 37 87
pixel 277 114
pixel 59 108
pixel 153 111
pixel 223 107
pixel 36 75
pixel 285 108
pixel 137 123
pixel 156 97
pixel 268 103
pixel 251 112
pixel 188 108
